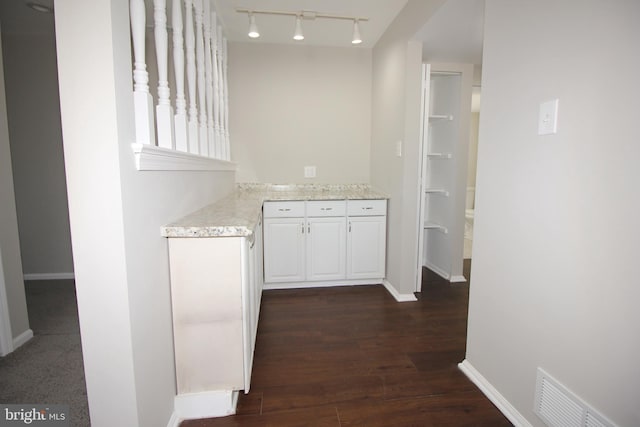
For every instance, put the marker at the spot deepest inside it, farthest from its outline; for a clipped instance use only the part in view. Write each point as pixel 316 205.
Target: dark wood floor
pixel 352 356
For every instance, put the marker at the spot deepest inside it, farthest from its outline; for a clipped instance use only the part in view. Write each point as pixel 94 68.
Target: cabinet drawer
pixel 367 207
pixel 318 208
pixel 283 209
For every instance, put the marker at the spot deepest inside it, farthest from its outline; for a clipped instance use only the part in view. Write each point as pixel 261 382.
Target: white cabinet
pixel 299 249
pixel 216 284
pixel 284 242
pixel 253 278
pixel 366 242
pixel 326 240
pixel 311 242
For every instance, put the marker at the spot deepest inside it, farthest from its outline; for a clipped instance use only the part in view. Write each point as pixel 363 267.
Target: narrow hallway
pixel 48 369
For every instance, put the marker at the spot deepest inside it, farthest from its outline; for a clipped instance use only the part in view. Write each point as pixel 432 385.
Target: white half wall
pixel 556 239
pixel 297 106
pixel 115 211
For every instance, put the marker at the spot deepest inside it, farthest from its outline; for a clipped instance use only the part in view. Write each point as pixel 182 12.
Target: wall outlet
pixel 309 171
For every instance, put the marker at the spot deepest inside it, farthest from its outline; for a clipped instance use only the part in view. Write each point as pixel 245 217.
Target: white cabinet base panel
pixel 219 403
pixel 322 284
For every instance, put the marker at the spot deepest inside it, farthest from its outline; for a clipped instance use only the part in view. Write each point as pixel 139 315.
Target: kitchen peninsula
pixel 261 235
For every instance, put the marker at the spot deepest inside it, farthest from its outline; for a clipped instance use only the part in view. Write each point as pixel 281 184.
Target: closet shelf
pixel 434 226
pixel 437 191
pixel 435 117
pixel 439 155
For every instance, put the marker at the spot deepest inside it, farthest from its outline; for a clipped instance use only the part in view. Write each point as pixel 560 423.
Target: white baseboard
pixel 397 295
pixel 457 279
pixel 321 284
pixel 49 276
pixel 175 420
pixel 512 414
pixel 22 338
pixel 207 404
pixel 440 272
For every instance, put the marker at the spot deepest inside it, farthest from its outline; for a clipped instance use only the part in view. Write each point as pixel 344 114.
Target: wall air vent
pixel 559 407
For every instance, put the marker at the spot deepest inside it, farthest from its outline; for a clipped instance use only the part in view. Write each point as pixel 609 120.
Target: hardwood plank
pixel 350 356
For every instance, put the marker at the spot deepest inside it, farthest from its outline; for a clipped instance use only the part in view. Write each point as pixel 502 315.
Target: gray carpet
pixel 48 369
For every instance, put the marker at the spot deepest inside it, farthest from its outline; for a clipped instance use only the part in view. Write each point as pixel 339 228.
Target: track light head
pixel 253 28
pixel 297 35
pixel 357 39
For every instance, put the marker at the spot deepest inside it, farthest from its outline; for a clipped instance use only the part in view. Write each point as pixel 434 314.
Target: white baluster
pixel 227 140
pixel 202 135
pixel 142 100
pixel 223 154
pixel 216 89
pixel 190 43
pixel 164 113
pixel 182 143
pixel 208 76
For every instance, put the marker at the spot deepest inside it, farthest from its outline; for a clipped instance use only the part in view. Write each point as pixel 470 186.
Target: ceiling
pixel 454 34
pixel 17 18
pixel 318 32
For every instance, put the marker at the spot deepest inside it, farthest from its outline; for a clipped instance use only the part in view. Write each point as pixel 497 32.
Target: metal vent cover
pixel 557 406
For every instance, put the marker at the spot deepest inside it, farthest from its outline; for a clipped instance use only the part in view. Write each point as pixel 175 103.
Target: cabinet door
pixel 366 246
pixel 284 250
pixel 326 248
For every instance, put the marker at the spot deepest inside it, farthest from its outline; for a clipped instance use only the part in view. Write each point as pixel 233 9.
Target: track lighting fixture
pixel 253 28
pixel 297 35
pixel 357 39
pixel 305 14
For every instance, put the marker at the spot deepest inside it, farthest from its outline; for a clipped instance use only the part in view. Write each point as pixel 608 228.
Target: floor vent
pixel 559 407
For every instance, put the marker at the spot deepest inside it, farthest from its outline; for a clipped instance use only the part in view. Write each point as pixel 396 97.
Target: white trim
pixel 458 279
pixel 397 295
pixel 152 158
pixel 440 272
pixel 6 341
pixel 322 284
pixel 175 420
pixel 49 276
pixel 207 404
pixel 507 409
pixel 22 338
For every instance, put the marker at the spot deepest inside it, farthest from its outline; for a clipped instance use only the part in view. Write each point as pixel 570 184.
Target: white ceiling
pixel 17 18
pixel 318 32
pixel 455 33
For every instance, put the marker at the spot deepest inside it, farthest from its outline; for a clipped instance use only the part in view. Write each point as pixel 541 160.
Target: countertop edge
pixel 251 202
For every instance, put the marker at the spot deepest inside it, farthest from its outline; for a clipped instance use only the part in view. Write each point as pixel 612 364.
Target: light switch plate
pixel 399 148
pixel 309 171
pixel 548 118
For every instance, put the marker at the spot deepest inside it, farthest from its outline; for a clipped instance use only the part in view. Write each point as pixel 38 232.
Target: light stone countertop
pixel 237 214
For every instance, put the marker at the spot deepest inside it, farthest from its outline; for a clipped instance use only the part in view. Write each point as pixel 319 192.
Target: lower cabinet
pixel 216 287
pixel 324 241
pixel 367 242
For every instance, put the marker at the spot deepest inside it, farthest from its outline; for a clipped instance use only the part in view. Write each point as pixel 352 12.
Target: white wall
pixel 472 160
pixel 11 268
pixel 296 106
pixel 556 236
pixel 36 150
pixel 396 88
pixel 120 260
